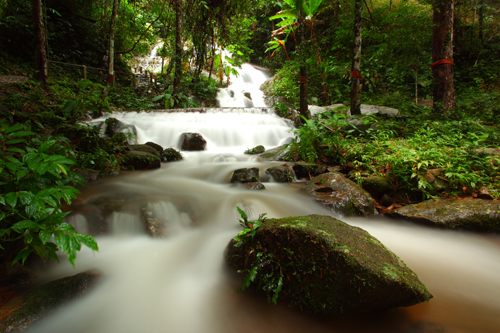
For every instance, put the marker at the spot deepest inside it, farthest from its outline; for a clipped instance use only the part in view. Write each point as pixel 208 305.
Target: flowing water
pixel 180 283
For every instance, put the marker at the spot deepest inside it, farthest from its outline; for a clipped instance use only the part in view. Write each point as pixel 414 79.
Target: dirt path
pixel 9 79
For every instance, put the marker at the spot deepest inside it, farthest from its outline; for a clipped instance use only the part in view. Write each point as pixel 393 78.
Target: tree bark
pixel 442 56
pixel 304 110
pixel 356 59
pixel 481 20
pixel 178 45
pixel 41 66
pixel 111 46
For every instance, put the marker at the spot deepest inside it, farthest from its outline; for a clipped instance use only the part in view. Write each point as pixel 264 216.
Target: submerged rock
pixel 245 175
pixel 341 195
pixel 193 142
pixel 326 266
pixel 254 186
pixel 47 298
pixel 281 174
pixel 475 215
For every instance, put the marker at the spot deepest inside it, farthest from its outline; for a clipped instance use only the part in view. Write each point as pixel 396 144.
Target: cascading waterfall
pixel 180 283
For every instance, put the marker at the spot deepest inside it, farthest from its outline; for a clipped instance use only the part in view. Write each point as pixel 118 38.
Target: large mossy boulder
pixel 341 195
pixel 140 160
pixel 171 155
pixel 326 266
pixel 47 298
pixel 245 175
pixel 281 174
pixel 474 215
pixel 193 142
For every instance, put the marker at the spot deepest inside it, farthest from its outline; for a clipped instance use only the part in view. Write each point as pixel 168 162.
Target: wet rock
pixel 47 298
pixel 341 195
pixel 386 200
pixel 139 160
pixel 281 153
pixel 475 215
pixel 146 149
pixel 157 147
pixel 254 186
pixel 88 174
pixel 111 126
pixel 483 193
pixel 377 186
pixel 193 142
pixel 327 266
pixel 153 224
pixel 247 95
pixel 245 175
pixel 281 174
pixel 308 170
pixel 255 150
pixel 171 155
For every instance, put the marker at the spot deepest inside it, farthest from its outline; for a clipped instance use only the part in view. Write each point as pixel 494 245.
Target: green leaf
pixel 14 128
pixel 68 107
pixel 242 213
pixel 26 224
pixel 62 241
pixel 20 134
pixel 42 168
pixel 22 255
pixel 65 227
pixel 13 142
pixel 277 290
pixel 25 197
pixel 45 235
pixel 46 145
pixel 30 210
pixel 11 199
pixel 89 241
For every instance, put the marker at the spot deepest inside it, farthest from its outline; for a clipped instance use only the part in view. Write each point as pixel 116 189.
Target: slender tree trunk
pixel 304 110
pixel 356 59
pixel 40 50
pixel 111 46
pixel 442 56
pixel 178 45
pixel 481 20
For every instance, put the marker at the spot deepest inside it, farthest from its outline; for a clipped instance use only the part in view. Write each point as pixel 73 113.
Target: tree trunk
pixel 178 45
pixel 111 46
pixel 481 20
pixel 356 59
pixel 40 50
pixel 304 110
pixel 442 56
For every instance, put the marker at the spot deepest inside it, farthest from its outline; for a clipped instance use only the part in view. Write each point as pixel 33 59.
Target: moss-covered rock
pixel 341 195
pixel 308 170
pixel 245 175
pixel 156 146
pixel 281 153
pixel 377 186
pixel 475 215
pixel 171 155
pixel 254 186
pixel 281 174
pixel 139 160
pixel 256 150
pixel 146 149
pixel 47 298
pixel 327 266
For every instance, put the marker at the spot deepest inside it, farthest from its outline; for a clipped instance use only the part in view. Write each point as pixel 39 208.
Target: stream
pixel 180 283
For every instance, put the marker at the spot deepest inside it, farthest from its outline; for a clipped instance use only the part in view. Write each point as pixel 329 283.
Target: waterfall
pixel 180 283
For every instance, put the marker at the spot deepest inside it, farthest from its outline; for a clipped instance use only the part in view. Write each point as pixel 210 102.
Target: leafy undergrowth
pixel 460 149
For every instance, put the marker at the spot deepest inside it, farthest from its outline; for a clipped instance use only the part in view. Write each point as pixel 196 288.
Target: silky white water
pixel 180 283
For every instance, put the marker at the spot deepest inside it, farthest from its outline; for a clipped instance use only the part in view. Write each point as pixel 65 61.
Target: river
pixel 180 283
